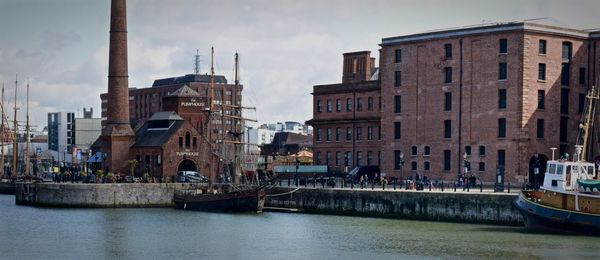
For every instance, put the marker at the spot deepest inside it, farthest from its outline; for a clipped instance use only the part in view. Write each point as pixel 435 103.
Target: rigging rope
pixel 281 194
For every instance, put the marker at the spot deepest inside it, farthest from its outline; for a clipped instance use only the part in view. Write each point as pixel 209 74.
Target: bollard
pixel 509 187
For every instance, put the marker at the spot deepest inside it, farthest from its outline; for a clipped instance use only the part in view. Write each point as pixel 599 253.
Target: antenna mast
pixel 15 144
pixel 2 135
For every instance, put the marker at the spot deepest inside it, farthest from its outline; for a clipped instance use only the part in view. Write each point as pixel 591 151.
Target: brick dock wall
pixel 485 208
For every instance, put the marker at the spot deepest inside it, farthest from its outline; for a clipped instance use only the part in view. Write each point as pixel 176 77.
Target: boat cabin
pixel 562 175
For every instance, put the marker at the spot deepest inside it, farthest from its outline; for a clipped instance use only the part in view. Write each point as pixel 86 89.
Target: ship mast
pixel 236 134
pixel 210 121
pixel 27 167
pixel 15 144
pixel 588 120
pixel 2 135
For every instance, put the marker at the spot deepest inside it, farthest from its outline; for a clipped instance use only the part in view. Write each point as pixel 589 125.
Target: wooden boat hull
pixel 241 201
pixel 542 218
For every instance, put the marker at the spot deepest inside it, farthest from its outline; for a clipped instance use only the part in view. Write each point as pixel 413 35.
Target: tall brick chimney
pixel 357 66
pixel 117 136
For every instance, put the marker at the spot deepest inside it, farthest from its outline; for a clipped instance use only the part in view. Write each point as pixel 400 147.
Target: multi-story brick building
pixel 499 96
pixel 346 116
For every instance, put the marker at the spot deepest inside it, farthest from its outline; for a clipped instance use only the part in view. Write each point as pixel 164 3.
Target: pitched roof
pixel 184 91
pixel 165 115
pixel 146 137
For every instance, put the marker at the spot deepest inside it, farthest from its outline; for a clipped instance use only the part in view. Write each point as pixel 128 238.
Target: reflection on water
pixel 40 233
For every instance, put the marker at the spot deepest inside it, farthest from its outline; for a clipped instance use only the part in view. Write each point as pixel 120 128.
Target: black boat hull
pixel 245 201
pixel 544 219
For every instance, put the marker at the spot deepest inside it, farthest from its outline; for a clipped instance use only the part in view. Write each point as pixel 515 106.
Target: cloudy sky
pixel 285 46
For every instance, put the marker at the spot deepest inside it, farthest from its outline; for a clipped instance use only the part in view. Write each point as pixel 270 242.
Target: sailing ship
pixel 226 197
pixel 569 199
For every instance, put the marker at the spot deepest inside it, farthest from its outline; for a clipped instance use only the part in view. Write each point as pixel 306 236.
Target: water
pixel 42 233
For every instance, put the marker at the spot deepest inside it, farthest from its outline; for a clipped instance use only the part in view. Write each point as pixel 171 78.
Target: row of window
pixel 447 162
pixel 338 134
pixel 427 166
pixel 564 74
pixel 189 141
pixel 347 158
pixel 427 150
pixel 448 129
pixel 503 49
pixel 338 105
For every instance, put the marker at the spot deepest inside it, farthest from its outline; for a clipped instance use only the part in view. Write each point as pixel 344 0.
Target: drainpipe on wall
pixel 460 101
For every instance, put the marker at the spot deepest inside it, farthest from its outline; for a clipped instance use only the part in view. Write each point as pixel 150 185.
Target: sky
pixel 286 47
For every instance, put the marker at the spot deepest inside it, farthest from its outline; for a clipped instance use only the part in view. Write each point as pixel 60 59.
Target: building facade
pixel 61 135
pixel 346 116
pixel 493 98
pixel 87 130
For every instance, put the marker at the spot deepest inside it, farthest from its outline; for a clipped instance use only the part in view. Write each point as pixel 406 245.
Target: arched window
pixel 187 139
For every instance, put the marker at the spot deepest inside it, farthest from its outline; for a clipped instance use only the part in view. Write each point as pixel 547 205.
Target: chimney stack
pixel 117 136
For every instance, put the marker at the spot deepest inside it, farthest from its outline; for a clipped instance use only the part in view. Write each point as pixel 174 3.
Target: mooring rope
pixel 281 194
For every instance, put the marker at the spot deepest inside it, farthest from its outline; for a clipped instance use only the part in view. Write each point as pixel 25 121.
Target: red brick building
pixel 501 94
pixel 346 116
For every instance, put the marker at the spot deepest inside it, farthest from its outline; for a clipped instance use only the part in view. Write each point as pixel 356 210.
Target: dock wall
pixel 488 208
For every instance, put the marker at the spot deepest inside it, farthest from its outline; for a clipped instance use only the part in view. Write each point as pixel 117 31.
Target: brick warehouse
pixel 347 116
pixel 502 94
pixel 499 94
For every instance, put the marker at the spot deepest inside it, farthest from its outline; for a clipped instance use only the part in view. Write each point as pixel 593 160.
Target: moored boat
pixel 249 200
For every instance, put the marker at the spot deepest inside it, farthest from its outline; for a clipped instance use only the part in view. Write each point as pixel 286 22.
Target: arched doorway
pixel 187 165
pixel 537 161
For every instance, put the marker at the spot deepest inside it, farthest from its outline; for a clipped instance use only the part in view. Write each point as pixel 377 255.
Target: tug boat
pixel 569 199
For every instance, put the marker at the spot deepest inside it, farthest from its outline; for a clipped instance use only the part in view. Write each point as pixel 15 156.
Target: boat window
pixel 552 168
pixel 590 170
pixel 559 169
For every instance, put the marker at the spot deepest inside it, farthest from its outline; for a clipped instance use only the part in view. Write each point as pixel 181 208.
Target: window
pixel 542 71
pixel 369 133
pixel 397 130
pixel 397 78
pixel 542 47
pixel 338 158
pixel 180 141
pixel 448 75
pixel 348 104
pixel 501 127
pixel 468 150
pixel 319 106
pixel 348 133
pixel 369 158
pixel 540 128
pixel 502 98
pixel 447 101
pixel 318 157
pixel 338 134
pixel 187 139
pixel 447 128
pixel 413 166
pixel 565 76
pixel 447 159
pixel 481 150
pixel 318 135
pixel 481 166
pixel 541 99
pixel 427 151
pixel 359 133
pixel 370 104
pixel 398 56
pixel 501 157
pixel 448 50
pixel 348 159
pixel 329 134
pixel 566 51
pixel 397 160
pixel 582 99
pixel 329 105
pixel 359 158
pixel 503 46
pixel 397 104
pixel 564 101
pixel 338 105
pixel 426 166
pixel 582 76
pixel 358 104
pixel 328 158
pixel 413 150
pixel 502 71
